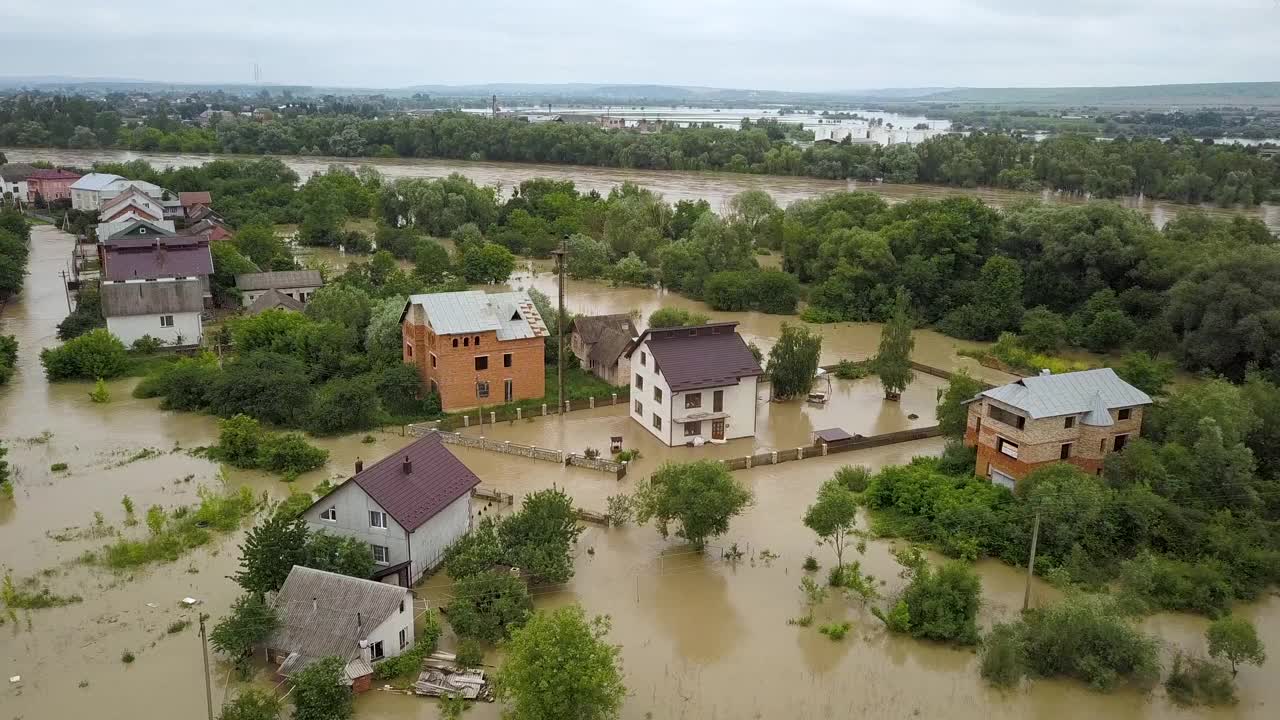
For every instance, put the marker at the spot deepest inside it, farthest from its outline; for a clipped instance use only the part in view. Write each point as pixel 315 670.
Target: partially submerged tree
pixel 700 497
pixel 252 704
pixel 251 621
pixel 539 538
pixel 1236 640
pixel 561 665
pixel 318 692
pixel 834 517
pixel 269 552
pixel 793 361
pixel 952 410
pixel 893 361
pixel 488 606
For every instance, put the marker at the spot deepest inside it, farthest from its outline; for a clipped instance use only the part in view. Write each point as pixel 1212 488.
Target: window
pixel 476 340
pixel 508 390
pixel 404 635
pixel 506 359
pixel 1007 448
pixel 377 519
pixel 482 362
pixel 1066 451
pixel 717 401
pixel 433 359
pixel 1120 442
pixel 401 606
pixel 466 342
pixel 1006 417
pixel 408 350
pixel 644 359
pixel 657 394
pixel 639 382
pixel 692 400
pixel 455 342
pixel 693 333
pixel 435 388
pixel 639 408
pixel 692 428
pixel 1124 414
pixel 166 321
pixel 657 422
pixel 1070 422
pixel 381 555
pixel 482 389
pixel 331 514
pixel 375 651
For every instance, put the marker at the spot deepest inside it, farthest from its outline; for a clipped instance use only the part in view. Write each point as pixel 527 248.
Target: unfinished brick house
pixel 1078 417
pixel 474 348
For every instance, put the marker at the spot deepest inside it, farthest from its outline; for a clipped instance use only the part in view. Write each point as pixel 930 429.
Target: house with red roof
pixel 409 507
pixel 694 384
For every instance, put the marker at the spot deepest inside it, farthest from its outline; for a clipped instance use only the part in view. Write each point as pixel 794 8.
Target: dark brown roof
pixel 279 279
pixel 832 435
pixel 435 479
pixel 589 327
pixel 157 262
pixel 187 199
pixel 609 346
pixel 704 356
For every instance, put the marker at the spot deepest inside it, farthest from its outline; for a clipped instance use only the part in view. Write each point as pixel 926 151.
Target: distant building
pixel 410 507
pixel 323 614
pixel 50 186
pixel 210 226
pixel 299 285
pixel 208 116
pixel 694 382
pixel 88 192
pixel 599 342
pixel 193 202
pixel 13 180
pixel 1077 417
pixel 475 348
pixel 132 201
pixel 609 122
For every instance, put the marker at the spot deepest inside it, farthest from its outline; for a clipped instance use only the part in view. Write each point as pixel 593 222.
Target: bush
pixel 941 604
pixel 836 631
pixel 810 563
pixel 1156 582
pixel 344 405
pixel 850 370
pixel 675 317
pixel 470 654
pixel 1088 638
pixel 1004 661
pixel 147 345
pixel 8 357
pixel 770 291
pixel 290 454
pixel 853 477
pixel 97 354
pixel 489 605
pixel 1196 681
pixel 183 385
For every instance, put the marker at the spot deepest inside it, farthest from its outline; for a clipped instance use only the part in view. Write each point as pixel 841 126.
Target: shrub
pixel 676 317
pixel 58 467
pixel 127 657
pixel 409 663
pixel 836 631
pixel 318 693
pixel 1196 681
pixel 470 654
pixel 1236 639
pixel 344 405
pixel 97 354
pixel 1004 660
pixel 253 704
pixel 1156 582
pixel 100 393
pixel 820 316
pixel 810 563
pixel 942 604
pixel 850 370
pixel 1088 638
pixel 290 454
pixel 853 477
pixel 147 345
pixel 183 385
pixel 621 509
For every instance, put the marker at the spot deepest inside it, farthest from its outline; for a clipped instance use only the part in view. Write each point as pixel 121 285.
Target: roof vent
pixel 407 466
pixel 1045 372
pixel 359 465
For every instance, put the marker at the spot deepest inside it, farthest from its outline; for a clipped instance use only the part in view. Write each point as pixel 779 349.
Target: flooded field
pixel 702 637
pixel 715 188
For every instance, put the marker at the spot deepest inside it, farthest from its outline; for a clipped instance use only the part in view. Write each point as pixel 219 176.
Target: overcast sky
pixel 762 44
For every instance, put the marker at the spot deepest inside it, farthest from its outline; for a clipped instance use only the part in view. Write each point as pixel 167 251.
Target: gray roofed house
pixel 599 341
pixel 299 285
pixel 324 614
pixel 274 300
pixel 95 182
pixel 511 315
pixel 168 310
pixel 1071 393
pixel 131 224
pixel 16 172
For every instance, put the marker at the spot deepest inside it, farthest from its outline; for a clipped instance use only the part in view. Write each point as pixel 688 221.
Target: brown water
pixel 714 187
pixel 701 637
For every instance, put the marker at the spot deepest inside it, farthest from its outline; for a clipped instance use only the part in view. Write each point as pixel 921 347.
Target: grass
pixel 578 385
pixel 30 595
pixel 142 454
pixel 178 626
pixel 58 467
pixel 836 631
pixel 127 657
pixel 182 530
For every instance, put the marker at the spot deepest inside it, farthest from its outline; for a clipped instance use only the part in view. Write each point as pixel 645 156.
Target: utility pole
pixel 66 291
pixel 560 255
pixel 204 648
pixel 1031 564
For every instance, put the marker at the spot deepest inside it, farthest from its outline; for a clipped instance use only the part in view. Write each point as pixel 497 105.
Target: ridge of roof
pixel 1070 393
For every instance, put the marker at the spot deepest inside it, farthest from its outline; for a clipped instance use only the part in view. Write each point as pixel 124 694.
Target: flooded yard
pixel 702 636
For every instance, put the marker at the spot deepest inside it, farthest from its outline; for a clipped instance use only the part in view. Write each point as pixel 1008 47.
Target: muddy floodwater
pixel 714 187
pixel 702 637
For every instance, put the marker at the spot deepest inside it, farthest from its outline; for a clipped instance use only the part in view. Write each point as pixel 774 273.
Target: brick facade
pixel 1040 441
pixel 447 364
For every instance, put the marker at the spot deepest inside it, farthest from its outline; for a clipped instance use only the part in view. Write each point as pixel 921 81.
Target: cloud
pixel 793 45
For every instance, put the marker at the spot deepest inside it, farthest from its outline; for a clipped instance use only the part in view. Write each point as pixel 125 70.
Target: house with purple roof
pixel 409 507
pixel 694 384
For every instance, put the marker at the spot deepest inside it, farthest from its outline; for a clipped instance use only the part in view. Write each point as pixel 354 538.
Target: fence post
pixel 774 455
pixel 519 413
pixel 493 417
pixel 748 462
pixel 567 407
pixel 591 402
pixel 544 409
pixel 799 453
pixel 615 399
pixel 824 449
pixel 466 421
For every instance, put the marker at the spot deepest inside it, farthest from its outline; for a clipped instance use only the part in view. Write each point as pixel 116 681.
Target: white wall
pixel 353 506
pixel 388 632
pixel 645 395
pixel 739 404
pixel 433 537
pixel 132 327
pixel 301 294
pixel 84 199
pixel 19 189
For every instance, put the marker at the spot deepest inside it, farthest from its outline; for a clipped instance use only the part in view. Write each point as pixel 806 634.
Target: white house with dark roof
pixel 409 507
pixel 694 382
pixel 324 614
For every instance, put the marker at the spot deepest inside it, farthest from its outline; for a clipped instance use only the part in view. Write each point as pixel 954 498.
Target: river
pixel 714 187
pixel 701 637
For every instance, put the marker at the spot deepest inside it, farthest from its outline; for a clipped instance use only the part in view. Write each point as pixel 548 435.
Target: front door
pixel 508 394
pixel 717 429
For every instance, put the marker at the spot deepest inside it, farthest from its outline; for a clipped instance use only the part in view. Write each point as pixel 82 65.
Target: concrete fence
pixel 618 470
pixel 511 413
pixel 774 457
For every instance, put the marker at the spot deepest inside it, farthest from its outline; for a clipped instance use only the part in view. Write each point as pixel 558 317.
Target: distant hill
pixel 1262 94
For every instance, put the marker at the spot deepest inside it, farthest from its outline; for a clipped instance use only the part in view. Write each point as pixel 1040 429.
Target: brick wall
pixel 454 375
pixel 1040 441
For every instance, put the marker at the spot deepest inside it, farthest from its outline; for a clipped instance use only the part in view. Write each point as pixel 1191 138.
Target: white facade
pixel 181 329
pixel 722 413
pixel 350 508
pixel 390 633
pixel 17 189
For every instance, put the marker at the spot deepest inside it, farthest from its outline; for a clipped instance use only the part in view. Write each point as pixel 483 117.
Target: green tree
pixel 343 305
pixel 252 704
pixel 1109 330
pixel 318 692
pixel 953 410
pixel 1235 639
pixel 833 517
pixel 96 354
pixel 340 554
pixel 1043 330
pixel 793 361
pixel 228 262
pixel 588 258
pixel 250 622
pixel 489 605
pixel 562 649
pixel 261 245
pixel 540 538
pixel 289 454
pixel 344 405
pixel 893 360
pixel 239 440
pixel 476 552
pixel 701 497
pixel 1145 372
pixel 942 604
pixel 430 260
pixel 676 317
pixel 487 263
pixel 269 552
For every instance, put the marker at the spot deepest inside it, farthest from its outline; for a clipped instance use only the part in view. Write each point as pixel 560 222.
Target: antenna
pixel 257 74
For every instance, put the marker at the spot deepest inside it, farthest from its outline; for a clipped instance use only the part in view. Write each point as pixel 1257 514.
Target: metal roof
pixel 705 356
pixel 128 221
pixel 279 279
pixel 1072 393
pixel 511 315
pixel 121 299
pixel 151 262
pixel 273 299
pixel 95 181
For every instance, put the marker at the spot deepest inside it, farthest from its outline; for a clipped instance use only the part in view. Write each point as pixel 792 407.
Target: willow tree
pixel 893 362
pixel 793 361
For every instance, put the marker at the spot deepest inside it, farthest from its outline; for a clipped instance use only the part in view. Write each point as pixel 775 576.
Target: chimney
pixel 359 466
pixel 1045 372
pixel 407 466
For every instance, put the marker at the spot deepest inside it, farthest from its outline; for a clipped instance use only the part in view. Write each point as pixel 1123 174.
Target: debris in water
pixel 190 601
pixel 15 679
pixel 151 605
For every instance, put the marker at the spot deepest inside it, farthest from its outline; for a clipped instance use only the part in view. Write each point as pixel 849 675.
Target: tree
pixel 588 258
pixel 96 354
pixel 941 604
pixel 347 306
pixel 893 361
pixel 793 361
pixel 227 263
pixel 700 496
pixel 489 605
pixel 834 516
pixel 340 554
pixel 252 704
pixel 251 621
pixel 4 466
pixel 344 405
pixel 953 410
pixel 318 692
pixel 1043 330
pixel 1145 372
pixel 1236 639
pixel 560 665
pixel 430 260
pixel 676 317
pixel 540 537
pixel 269 552
pixel 487 263
pixel 268 386
pixel 476 552
pixel 261 245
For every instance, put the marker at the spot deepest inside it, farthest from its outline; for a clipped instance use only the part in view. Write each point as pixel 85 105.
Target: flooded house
pixel 297 285
pixel 1077 417
pixel 474 348
pixel 324 614
pixel 694 384
pixel 600 342
pixel 154 283
pixel 409 507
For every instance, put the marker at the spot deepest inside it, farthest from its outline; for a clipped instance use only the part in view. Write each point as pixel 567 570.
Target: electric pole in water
pixel 560 254
pixel 1031 564
pixel 204 648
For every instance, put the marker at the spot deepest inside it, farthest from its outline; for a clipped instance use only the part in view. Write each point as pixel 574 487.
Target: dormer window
pixel 142 231
pixel 515 315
